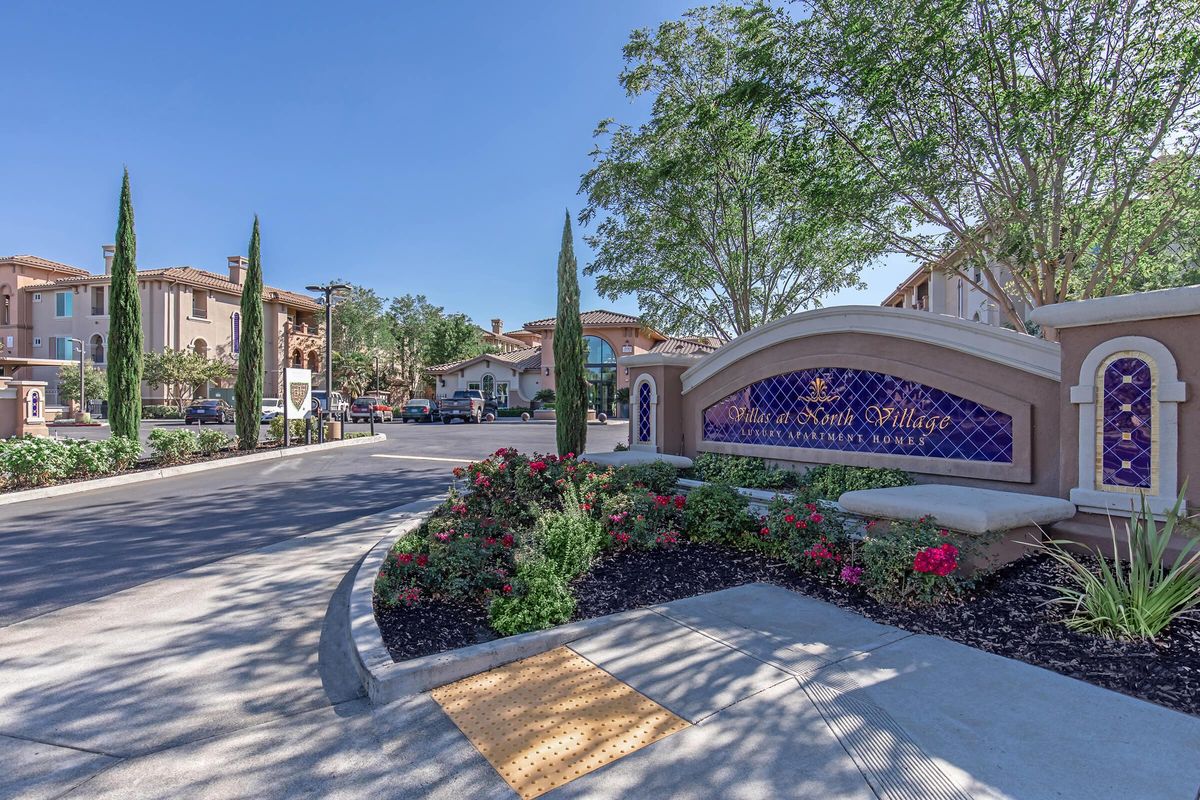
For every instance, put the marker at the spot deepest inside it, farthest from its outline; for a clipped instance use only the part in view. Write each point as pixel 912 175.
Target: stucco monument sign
pixel 860 411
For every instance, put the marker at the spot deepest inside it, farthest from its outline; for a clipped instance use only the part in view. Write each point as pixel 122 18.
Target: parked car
pixel 272 407
pixel 340 410
pixel 420 410
pixel 212 410
pixel 469 405
pixel 364 408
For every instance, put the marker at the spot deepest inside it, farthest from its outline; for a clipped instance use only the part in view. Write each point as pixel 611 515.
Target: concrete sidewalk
pixel 788 696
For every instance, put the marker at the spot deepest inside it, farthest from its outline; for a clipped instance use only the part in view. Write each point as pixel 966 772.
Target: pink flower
pixel 507 540
pixel 536 466
pixel 790 518
pixel 422 561
pixel 816 518
pixel 852 575
pixel 442 537
pixel 680 500
pixel 507 588
pixel 405 558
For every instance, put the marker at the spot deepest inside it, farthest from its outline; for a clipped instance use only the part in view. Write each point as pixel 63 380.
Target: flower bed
pixel 539 541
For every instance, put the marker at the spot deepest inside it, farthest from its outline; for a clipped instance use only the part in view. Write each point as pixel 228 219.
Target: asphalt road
pixel 62 551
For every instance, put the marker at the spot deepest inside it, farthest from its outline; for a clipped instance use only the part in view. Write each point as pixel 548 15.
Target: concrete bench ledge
pixel 624 458
pixel 960 508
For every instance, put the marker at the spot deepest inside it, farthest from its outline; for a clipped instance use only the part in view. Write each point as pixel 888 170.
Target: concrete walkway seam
pixel 386 680
pixel 112 481
pixel 893 764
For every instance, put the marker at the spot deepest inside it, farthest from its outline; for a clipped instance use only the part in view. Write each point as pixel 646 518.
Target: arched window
pixel 297 358
pixel 645 405
pixel 97 347
pixel 235 331
pixel 200 348
pixel 601 370
pixel 314 361
pixel 488 385
pixel 1128 396
pixel 5 318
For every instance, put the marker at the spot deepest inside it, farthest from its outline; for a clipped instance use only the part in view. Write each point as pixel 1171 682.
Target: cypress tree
pixel 249 386
pixel 125 328
pixel 569 381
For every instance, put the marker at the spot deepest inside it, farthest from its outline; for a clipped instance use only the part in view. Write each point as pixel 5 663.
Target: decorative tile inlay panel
pixel 644 412
pixel 1126 439
pixel 835 408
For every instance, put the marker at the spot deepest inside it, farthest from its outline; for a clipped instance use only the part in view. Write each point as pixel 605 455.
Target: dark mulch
pixel 432 626
pixel 1005 614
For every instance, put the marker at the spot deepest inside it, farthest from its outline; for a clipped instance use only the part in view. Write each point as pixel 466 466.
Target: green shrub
pixel 161 412
pixel 211 441
pixel 658 477
pixel 356 435
pixel 172 445
pixel 516 411
pixel 275 430
pixel 716 512
pixel 911 562
pixel 545 396
pixel 831 481
pixel 569 541
pixel 86 459
pixel 34 461
pixel 1140 595
pixel 122 453
pixel 744 471
pixel 538 599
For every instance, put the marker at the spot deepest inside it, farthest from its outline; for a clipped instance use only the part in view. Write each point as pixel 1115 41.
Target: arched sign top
pixel 1012 349
pixel 860 411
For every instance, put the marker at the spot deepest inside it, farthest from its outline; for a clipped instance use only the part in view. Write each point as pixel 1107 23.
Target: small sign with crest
pixel 299 391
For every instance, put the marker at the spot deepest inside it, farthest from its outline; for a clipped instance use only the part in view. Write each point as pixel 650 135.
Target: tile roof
pixel 44 263
pixel 684 347
pixel 591 318
pixel 520 360
pixel 200 277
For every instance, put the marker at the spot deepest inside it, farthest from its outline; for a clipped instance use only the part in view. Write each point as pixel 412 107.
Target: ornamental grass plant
pixel 1136 596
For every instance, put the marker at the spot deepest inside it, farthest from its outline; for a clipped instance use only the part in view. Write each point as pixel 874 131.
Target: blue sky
pixel 427 148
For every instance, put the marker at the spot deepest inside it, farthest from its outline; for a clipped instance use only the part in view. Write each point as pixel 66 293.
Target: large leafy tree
pixel 451 337
pixel 249 386
pixel 570 385
pixel 93 381
pixel 1055 141
pixel 125 328
pixel 183 372
pixel 358 322
pixel 720 213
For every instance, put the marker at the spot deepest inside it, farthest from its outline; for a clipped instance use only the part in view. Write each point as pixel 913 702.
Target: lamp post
pixel 82 390
pixel 329 290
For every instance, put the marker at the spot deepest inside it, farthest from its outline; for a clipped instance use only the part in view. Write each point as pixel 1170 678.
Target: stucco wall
pixel 1180 335
pixel 1033 401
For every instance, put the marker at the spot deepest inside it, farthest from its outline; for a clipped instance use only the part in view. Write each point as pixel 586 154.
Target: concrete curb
pixel 60 490
pixel 387 680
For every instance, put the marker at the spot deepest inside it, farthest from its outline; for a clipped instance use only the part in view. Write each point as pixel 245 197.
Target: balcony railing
pixel 305 330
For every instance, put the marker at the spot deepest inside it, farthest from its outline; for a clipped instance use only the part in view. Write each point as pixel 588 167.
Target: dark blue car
pixel 213 410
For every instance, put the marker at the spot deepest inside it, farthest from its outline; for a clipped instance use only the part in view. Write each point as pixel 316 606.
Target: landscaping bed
pixel 489 562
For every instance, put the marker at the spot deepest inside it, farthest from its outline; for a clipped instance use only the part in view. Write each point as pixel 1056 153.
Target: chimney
pixel 497 326
pixel 110 250
pixel 237 269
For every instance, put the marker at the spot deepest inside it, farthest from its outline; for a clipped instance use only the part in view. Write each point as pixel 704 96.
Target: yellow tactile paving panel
pixel 549 719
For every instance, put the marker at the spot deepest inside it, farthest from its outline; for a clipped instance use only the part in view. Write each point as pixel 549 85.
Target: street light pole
pixel 329 290
pixel 82 389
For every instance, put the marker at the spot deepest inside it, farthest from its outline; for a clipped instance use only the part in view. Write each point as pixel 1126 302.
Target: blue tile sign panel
pixel 1126 439
pixel 860 411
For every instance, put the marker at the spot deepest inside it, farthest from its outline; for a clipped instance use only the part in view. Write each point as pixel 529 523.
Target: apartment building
pixel 49 308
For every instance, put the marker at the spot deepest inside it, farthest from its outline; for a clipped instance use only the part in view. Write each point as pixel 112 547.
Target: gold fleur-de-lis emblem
pixel 818 392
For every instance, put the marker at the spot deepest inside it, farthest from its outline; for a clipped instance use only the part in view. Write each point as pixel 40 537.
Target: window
pixel 62 348
pixel 4 313
pixel 97 301
pixel 601 369
pixel 63 302
pixel 235 331
pixel 645 404
pixel 1128 397
pixel 488 385
pixel 37 341
pixel 502 395
pixel 97 348
pixel 199 304
pixel 37 297
pixel 200 348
